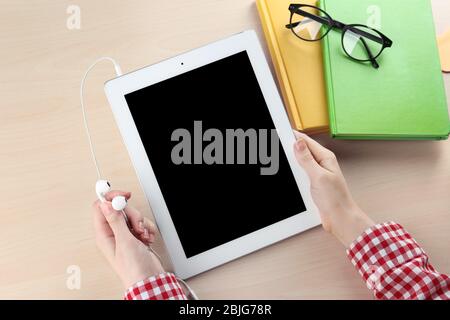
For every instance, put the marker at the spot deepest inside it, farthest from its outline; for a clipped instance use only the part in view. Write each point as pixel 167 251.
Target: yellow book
pixel 298 66
pixel 444 51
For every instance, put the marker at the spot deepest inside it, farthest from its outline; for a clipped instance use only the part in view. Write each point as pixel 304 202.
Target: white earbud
pixel 119 203
pixel 102 187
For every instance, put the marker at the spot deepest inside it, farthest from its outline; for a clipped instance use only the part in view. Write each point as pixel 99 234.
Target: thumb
pixel 115 220
pixel 305 158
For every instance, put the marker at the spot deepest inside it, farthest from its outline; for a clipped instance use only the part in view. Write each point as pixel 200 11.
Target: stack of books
pixel 324 90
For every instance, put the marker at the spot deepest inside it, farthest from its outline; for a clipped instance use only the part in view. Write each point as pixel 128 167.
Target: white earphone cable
pixel 86 126
pixel 94 158
pixel 191 292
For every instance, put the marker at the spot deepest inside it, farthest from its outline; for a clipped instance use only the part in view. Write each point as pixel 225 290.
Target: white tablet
pixel 212 146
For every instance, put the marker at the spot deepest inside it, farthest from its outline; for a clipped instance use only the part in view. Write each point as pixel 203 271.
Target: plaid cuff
pixel 394 266
pixel 163 286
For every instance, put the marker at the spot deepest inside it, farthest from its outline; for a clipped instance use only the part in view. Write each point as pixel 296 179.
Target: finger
pixel 144 229
pixel 114 193
pixel 103 233
pixel 116 222
pixel 102 228
pixel 135 218
pixel 149 235
pixel 324 157
pixel 306 159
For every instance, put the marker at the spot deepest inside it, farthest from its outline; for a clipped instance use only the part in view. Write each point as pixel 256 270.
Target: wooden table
pixel 47 176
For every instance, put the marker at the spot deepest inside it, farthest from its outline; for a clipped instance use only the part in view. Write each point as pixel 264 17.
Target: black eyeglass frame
pixel 295 8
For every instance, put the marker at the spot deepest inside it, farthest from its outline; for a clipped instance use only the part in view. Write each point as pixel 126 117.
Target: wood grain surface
pixel 47 176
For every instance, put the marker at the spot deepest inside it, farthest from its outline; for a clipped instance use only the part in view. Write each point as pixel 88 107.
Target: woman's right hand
pixel 339 213
pixel 126 250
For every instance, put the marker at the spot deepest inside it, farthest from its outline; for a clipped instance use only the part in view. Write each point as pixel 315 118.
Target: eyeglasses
pixel 360 42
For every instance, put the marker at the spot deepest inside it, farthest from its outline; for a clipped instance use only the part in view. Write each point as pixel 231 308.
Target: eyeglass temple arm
pixel 370 54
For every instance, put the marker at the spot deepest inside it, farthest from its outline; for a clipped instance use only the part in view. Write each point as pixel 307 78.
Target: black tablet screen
pixel 209 137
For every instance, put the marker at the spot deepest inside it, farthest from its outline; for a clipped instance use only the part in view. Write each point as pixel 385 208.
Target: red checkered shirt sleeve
pixel 394 266
pixel 163 286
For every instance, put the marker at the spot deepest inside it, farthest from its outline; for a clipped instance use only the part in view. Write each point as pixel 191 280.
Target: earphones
pixel 102 186
pixel 118 203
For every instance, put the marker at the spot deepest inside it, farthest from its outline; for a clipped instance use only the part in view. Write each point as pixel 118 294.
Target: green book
pixel 402 100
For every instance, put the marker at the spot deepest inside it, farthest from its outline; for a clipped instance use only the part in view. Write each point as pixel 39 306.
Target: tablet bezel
pixel 116 90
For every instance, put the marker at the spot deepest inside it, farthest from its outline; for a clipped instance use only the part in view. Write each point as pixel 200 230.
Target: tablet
pixel 212 147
